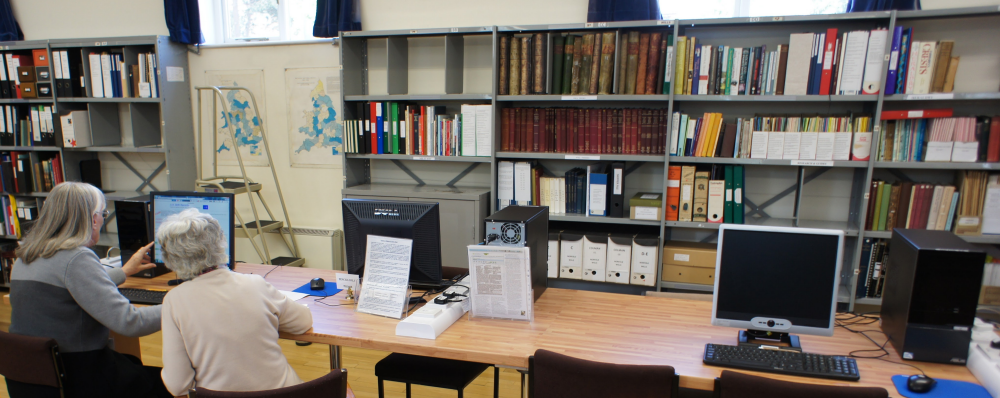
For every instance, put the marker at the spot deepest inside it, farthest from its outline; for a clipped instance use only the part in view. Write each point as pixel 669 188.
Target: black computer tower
pixel 135 231
pixel 524 226
pixel 931 291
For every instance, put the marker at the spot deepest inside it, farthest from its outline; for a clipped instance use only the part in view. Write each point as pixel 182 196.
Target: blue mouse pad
pixel 944 388
pixel 331 289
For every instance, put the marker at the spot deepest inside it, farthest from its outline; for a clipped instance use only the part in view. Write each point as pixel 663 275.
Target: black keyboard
pixel 143 296
pixel 782 361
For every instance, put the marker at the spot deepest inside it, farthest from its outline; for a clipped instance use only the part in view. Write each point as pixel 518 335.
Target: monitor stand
pixel 763 337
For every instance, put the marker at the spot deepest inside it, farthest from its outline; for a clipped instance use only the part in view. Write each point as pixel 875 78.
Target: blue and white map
pixel 246 124
pixel 315 129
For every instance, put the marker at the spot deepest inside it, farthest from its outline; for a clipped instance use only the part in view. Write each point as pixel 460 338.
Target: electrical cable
pixel 868 320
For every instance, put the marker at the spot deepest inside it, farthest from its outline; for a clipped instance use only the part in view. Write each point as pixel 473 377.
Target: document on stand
pixel 500 282
pixel 387 274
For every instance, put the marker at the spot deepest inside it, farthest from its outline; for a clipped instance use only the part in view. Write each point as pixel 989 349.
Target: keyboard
pixel 143 296
pixel 782 361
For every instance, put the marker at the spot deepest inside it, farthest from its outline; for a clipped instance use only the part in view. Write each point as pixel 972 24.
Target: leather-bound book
pixel 525 65
pixel 595 66
pixel 640 75
pixel 633 62
pixel 607 63
pixel 567 75
pixel 622 64
pixel 586 62
pixel 577 64
pixel 653 63
pixel 557 62
pixel 515 66
pixel 504 64
pixel 538 72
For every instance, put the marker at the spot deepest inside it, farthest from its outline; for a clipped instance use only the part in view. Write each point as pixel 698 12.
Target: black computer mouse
pixel 920 383
pixel 317 284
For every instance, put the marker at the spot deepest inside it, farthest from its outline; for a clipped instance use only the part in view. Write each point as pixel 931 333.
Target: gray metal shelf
pixel 119 149
pixel 29 194
pixel 985 239
pixel 878 234
pixel 601 220
pixel 788 19
pixel 774 222
pixel 588 25
pixel 105 41
pixel 776 98
pixel 29 148
pixel 942 97
pixel 868 301
pixel 24 45
pixel 938 165
pixel 583 98
pixel 948 12
pixel 16 101
pixel 417 32
pixel 420 97
pixel 416 191
pixel 116 100
pixel 579 156
pixel 770 162
pixel 687 286
pixel 467 159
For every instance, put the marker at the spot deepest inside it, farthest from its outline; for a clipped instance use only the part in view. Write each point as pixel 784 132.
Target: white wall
pixel 60 19
pixel 419 14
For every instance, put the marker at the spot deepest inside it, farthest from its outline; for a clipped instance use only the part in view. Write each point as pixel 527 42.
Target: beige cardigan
pixel 220 331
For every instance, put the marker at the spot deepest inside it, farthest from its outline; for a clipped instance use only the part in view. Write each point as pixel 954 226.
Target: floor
pixel 313 361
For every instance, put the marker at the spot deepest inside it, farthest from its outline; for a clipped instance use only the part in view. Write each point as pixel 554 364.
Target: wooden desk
pixel 597 326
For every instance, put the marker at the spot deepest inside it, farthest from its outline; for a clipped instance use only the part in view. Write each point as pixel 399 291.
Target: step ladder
pixel 255 228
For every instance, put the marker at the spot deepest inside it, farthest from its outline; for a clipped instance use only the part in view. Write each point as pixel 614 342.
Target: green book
pixel 682 136
pixel 727 215
pixel 884 205
pixel 738 178
pixel 394 126
pixel 729 71
pixel 567 72
pixel 557 63
pixel 878 205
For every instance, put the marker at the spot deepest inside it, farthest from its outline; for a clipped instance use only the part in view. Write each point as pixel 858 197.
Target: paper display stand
pixel 500 283
pixel 386 288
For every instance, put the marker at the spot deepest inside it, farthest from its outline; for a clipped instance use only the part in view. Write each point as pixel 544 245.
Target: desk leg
pixel 334 357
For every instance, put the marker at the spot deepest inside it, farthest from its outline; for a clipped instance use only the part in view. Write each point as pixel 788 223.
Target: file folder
pixel 595 256
pixel 616 196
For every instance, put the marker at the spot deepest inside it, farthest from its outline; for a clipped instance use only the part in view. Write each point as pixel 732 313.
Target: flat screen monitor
pixel 220 206
pixel 777 279
pixel 411 220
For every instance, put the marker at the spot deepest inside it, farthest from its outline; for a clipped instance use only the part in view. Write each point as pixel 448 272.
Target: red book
pixel 916 114
pixel 664 121
pixel 523 141
pixel 558 121
pixel 577 139
pixel 993 152
pixel 634 133
pixel 609 131
pixel 57 168
pixel 619 131
pixel 536 134
pixel 828 51
pixel 374 112
pixel 505 129
pixel 585 130
pixel 918 220
pixel 595 138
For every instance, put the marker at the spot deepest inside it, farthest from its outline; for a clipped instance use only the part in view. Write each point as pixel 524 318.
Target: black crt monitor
pixel 410 220
pixel 221 206
pixel 774 281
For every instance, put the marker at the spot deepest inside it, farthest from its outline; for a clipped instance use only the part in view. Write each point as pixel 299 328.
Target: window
pixel 264 20
pixel 687 9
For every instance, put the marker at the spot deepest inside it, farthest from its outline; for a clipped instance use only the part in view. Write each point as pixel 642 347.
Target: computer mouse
pixel 920 383
pixel 317 284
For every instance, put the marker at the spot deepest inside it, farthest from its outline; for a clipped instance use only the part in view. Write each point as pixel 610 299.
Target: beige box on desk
pixel 689 262
pixel 990 295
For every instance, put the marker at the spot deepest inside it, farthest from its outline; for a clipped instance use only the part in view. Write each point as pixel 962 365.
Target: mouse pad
pixel 944 388
pixel 331 289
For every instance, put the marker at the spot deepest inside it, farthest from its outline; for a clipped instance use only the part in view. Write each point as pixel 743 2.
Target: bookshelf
pixel 816 194
pixel 152 144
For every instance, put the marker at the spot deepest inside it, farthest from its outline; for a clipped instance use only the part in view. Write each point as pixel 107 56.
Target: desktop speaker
pixel 523 226
pixel 931 293
pixel 133 219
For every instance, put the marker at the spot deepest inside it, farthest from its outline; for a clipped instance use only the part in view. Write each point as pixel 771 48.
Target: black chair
pixel 31 366
pixel 432 372
pixel 739 385
pixel 333 385
pixel 555 375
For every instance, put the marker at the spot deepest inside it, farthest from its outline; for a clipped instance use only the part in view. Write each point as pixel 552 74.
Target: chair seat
pixel 428 371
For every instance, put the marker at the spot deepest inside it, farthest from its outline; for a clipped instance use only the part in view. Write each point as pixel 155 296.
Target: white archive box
pixel 595 256
pixel 571 255
pixel 553 260
pixel 644 249
pixel 619 265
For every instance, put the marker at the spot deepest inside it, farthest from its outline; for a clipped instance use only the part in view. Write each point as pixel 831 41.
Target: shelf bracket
pixel 408 172
pixel 781 195
pixel 194 49
pixel 900 175
pixel 462 174
pixel 635 166
pixel 146 180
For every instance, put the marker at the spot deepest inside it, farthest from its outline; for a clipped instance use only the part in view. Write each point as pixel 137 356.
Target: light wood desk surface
pixel 603 327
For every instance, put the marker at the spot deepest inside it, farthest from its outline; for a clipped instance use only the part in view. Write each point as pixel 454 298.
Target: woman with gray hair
pixel 60 290
pixel 220 328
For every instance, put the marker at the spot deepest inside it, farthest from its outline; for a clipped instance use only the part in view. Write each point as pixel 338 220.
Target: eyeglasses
pixel 105 213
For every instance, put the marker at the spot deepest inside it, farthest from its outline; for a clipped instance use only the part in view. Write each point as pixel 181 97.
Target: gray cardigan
pixel 71 298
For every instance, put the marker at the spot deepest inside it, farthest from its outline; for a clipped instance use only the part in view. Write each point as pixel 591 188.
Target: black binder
pixel 616 189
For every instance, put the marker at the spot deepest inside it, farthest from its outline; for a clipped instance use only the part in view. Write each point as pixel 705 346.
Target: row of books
pixel 581 190
pixel 712 194
pixel 991 274
pixel 822 63
pixel 585 63
pixel 911 206
pixel 7 259
pixel 10 75
pixel 590 130
pixel 27 126
pixel 949 139
pixel 395 128
pixel 772 137
pixel 603 257
pixel 111 77
pixel 872 269
pixel 19 215
pixel 23 173
pixel 920 67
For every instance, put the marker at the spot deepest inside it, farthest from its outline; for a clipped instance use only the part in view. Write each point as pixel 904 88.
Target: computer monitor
pixel 774 281
pixel 411 220
pixel 220 206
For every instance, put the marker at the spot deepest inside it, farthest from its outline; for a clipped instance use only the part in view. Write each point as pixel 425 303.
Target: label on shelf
pixel 583 157
pixel 775 97
pixel 915 114
pixel 424 158
pixel 579 97
pixel 930 96
pixel 823 163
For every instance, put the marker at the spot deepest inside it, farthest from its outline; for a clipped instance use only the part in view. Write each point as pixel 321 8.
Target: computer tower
pixel 135 231
pixel 523 226
pixel 930 295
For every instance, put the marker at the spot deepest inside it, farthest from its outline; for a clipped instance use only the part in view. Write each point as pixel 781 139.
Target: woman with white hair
pixel 220 328
pixel 60 290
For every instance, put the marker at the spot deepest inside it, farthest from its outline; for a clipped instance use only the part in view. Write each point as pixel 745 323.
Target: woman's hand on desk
pixel 139 262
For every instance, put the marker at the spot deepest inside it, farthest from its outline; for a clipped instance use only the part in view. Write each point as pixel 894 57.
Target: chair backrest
pixel 555 375
pixel 30 360
pixel 333 385
pixel 738 385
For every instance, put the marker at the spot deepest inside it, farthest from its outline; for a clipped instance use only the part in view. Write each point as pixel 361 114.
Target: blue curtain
pixel 335 16
pixel 882 5
pixel 9 29
pixel 183 21
pixel 623 10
